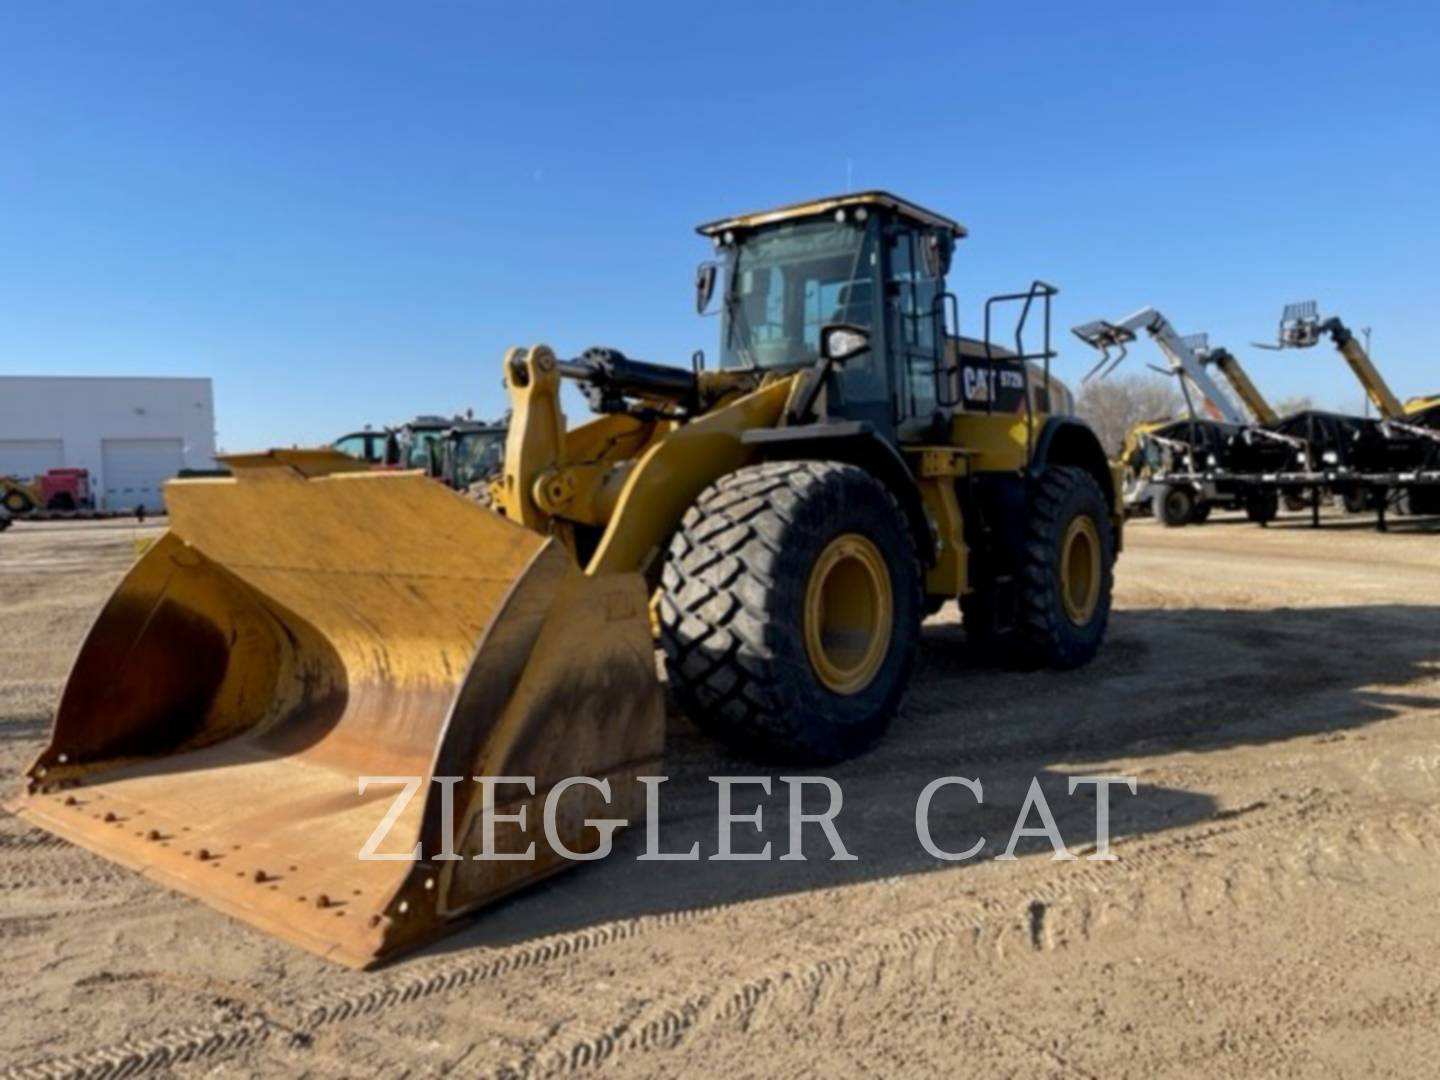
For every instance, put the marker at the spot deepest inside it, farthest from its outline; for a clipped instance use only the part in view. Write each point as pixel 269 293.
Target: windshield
pixel 419 454
pixel 477 455
pixel 786 282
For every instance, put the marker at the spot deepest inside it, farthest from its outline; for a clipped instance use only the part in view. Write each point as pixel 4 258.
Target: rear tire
pixel 790 610
pixel 1067 574
pixel 1357 501
pixel 1038 627
pixel 1422 501
pixel 1175 506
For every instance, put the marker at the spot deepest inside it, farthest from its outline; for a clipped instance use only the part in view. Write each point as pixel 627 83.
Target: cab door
pixel 914 326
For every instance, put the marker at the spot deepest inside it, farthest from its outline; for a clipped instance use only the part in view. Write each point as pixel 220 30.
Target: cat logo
pixel 980 384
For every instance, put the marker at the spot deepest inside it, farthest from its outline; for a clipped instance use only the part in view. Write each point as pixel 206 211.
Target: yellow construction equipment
pixel 788 519
pixel 1402 446
pixel 1240 381
pixel 298 628
pixel 1301 327
pixel 17 496
pixel 1177 467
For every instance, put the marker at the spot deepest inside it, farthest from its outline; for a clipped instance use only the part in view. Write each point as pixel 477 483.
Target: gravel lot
pixel 1271 911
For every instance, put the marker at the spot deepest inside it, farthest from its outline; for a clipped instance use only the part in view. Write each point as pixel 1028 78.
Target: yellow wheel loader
pixel 312 638
pixel 17 496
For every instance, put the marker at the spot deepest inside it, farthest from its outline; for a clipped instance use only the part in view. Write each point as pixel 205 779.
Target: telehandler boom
pixel 1185 362
pixel 1403 445
pixel 1301 328
pixel 1183 468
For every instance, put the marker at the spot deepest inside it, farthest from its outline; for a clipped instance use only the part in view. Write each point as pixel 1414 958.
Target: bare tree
pixel 1116 404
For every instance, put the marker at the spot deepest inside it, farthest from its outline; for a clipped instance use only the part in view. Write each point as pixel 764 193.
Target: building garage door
pixel 28 458
pixel 133 471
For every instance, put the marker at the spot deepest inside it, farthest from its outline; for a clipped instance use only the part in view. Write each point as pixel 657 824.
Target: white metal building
pixel 132 434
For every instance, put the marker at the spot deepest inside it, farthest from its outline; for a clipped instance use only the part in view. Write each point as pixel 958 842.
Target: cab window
pixel 356 446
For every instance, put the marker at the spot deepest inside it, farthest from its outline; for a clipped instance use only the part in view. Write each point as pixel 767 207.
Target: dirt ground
pixel 1272 910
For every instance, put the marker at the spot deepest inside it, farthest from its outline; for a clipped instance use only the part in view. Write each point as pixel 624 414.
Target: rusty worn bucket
pixel 303 625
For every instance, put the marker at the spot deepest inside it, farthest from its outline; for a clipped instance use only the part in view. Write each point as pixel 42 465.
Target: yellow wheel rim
pixel 1080 570
pixel 849 613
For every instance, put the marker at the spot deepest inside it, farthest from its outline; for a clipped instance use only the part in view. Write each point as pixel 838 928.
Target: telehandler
pixel 1182 468
pixel 312 635
pixel 1395 458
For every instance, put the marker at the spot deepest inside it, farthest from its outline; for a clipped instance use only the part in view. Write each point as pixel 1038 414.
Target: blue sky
pixel 344 212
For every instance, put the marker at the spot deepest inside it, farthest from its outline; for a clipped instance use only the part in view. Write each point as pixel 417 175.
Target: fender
pixel 854 442
pixel 1067 441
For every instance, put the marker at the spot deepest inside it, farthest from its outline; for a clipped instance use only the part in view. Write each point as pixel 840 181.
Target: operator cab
pixel 858 282
pixel 473 452
pixel 367 445
pixel 861 272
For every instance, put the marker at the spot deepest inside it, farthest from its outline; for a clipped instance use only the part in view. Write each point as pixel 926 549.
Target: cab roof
pixel 816 207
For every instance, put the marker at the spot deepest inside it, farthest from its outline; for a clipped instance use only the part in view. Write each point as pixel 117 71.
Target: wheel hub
pixel 849 614
pixel 1080 571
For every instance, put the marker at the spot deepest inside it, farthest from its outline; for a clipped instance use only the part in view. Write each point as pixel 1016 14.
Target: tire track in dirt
pixel 59 879
pixel 30 839
pixel 31 922
pixel 657 1028
pixel 199 1042
pixel 47 867
pixel 969 923
pixel 187 1046
pixel 947 942
pixel 942 938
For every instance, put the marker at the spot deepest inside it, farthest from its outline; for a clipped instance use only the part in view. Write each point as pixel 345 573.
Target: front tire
pixel 790 610
pixel 17 502
pixel 1175 506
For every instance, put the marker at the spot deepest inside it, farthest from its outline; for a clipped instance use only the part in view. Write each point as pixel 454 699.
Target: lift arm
pixel 1184 362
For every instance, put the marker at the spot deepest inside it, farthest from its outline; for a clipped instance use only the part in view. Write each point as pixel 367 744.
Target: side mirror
pixel 840 341
pixel 706 274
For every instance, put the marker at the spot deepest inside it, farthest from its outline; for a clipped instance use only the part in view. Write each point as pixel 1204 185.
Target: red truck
pixel 57 489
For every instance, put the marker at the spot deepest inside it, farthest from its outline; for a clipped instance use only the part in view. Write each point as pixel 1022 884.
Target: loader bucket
pixel 300 628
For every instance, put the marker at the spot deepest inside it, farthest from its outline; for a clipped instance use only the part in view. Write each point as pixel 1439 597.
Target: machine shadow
pixel 1152 690
pixel 1363 522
